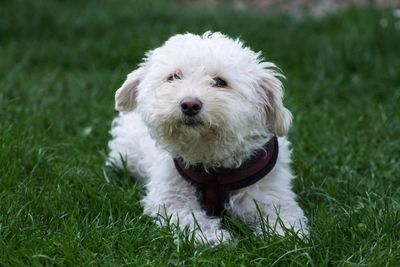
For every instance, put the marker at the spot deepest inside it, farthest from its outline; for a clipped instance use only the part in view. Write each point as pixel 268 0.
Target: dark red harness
pixel 215 183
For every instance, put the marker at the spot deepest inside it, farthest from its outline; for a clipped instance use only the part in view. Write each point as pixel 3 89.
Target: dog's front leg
pixel 175 201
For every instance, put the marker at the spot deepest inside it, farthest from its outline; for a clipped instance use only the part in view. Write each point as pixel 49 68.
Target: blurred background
pixel 298 8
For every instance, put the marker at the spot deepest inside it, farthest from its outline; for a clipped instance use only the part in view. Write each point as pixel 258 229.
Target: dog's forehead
pixel 210 51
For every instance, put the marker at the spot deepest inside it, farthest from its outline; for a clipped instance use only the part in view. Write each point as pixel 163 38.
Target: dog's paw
pixel 283 227
pixel 213 237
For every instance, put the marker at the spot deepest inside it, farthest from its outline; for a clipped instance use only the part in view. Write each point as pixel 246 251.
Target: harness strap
pixel 215 184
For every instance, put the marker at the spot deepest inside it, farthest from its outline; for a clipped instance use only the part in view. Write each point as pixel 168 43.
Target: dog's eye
pixel 218 82
pixel 174 76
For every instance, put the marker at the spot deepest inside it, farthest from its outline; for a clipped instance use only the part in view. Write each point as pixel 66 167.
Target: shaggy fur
pixel 234 121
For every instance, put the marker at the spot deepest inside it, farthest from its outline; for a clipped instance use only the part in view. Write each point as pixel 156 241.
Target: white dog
pixel 198 124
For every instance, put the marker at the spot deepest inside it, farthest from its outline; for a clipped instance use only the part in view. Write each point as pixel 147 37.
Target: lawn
pixel 60 64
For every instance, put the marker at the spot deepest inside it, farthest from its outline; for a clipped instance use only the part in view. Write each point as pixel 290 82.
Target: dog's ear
pixel 125 97
pixel 278 116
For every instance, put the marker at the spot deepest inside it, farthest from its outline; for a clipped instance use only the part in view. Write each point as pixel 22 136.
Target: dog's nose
pixel 190 106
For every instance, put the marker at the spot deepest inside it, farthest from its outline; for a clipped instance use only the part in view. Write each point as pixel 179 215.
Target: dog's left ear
pixel 125 97
pixel 278 116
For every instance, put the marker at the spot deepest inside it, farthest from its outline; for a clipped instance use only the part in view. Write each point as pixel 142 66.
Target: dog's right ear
pixel 125 97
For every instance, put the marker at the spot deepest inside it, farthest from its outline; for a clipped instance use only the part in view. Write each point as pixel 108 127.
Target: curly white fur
pixel 235 121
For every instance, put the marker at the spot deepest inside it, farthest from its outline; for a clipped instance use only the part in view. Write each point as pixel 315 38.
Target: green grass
pixel 60 63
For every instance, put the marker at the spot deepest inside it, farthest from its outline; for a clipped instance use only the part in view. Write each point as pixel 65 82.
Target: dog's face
pixel 206 98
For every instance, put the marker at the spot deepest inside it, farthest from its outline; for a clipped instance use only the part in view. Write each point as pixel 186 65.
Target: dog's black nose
pixel 190 106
